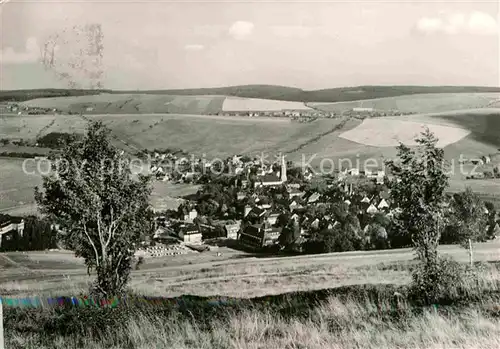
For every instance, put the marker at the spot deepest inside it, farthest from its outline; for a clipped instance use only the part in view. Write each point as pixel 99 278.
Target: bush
pixel 56 140
pixel 445 282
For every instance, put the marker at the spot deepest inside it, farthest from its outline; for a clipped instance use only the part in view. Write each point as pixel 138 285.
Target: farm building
pixel 372 209
pixel 314 197
pixel 9 225
pixel 189 233
pixel 255 214
pixel 190 216
pixel 232 230
pixel 486 159
pixel 273 217
pixel 383 205
pixel 258 236
pixel 359 109
pixel 295 193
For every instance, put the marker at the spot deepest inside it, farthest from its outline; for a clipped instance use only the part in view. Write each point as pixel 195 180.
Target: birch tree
pixel 469 219
pixel 101 209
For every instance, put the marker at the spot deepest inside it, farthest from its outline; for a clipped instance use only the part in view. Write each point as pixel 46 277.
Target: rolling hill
pixel 149 121
pixel 265 91
pixel 143 103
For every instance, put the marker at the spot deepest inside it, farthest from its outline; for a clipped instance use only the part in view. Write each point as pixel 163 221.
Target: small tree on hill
pixel 469 219
pixel 418 189
pixel 102 210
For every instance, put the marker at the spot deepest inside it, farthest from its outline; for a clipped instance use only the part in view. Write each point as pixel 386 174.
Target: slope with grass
pixel 267 92
pixel 416 103
pixel 342 300
pixel 131 104
pixel 259 104
pixel 234 274
pixel 220 136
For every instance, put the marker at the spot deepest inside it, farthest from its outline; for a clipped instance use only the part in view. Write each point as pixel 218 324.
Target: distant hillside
pixel 325 95
pixel 265 92
pixel 25 95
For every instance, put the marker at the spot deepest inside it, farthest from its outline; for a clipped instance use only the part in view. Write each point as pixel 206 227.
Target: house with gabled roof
pixel 295 193
pixel 314 197
pixel 383 205
pixel 272 217
pixel 9 225
pixel 189 233
pixel 256 215
pixel 232 230
pixel 372 209
pixel 190 215
pixel 259 235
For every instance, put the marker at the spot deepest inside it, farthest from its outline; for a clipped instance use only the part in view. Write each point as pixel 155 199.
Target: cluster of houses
pixel 16 108
pixel 257 225
pixel 170 167
pixel 486 166
pixel 261 228
pixel 362 113
pixel 313 113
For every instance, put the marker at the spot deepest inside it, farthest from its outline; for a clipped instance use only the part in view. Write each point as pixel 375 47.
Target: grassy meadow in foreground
pixel 358 316
pixel 339 300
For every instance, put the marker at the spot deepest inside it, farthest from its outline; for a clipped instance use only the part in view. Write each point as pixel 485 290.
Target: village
pixel 257 202
pixel 259 205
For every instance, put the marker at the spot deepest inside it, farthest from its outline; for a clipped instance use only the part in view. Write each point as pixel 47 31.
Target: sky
pixel 311 45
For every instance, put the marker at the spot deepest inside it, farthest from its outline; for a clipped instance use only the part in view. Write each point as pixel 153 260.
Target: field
pixel 145 103
pixel 132 104
pixel 249 104
pixel 220 136
pixel 234 274
pixel 420 103
pixel 276 92
pixel 17 183
pixel 389 132
pixel 341 300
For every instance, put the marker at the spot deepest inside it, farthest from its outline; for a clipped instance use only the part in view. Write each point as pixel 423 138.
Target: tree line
pixel 38 235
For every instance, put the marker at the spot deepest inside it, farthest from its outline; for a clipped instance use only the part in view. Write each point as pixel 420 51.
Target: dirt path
pixel 45 128
pixel 316 138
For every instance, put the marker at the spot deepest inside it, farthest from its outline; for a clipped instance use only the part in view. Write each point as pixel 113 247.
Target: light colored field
pixel 206 274
pixel 389 132
pixel 257 104
pixel 419 103
pixel 132 103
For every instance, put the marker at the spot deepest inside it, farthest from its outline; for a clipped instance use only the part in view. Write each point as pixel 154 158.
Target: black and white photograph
pixel 249 174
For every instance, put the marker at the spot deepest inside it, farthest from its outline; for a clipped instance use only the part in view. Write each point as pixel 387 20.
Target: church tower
pixel 283 169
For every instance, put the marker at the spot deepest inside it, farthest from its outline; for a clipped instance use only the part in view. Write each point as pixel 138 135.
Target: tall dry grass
pixel 335 324
pixel 351 318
